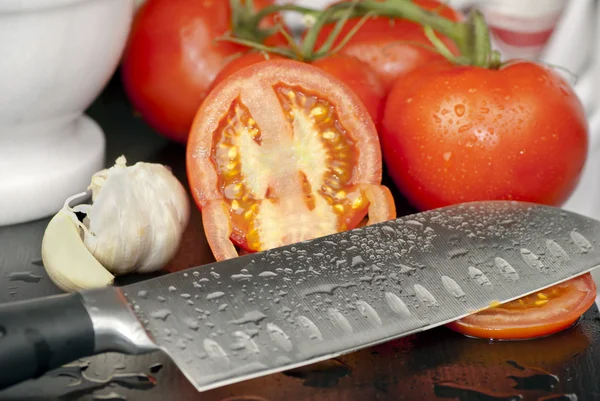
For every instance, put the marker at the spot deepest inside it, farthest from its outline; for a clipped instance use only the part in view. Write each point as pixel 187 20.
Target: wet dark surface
pixel 435 365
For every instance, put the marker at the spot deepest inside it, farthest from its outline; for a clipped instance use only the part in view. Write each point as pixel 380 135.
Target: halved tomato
pixel 282 152
pixel 356 74
pixel 552 310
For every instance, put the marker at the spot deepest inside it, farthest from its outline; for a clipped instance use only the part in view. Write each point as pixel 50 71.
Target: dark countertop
pixel 437 364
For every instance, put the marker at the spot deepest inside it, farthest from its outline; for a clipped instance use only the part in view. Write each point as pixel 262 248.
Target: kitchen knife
pixel 303 303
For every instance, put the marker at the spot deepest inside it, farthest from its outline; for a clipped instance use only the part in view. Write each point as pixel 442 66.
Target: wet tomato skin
pixel 455 134
pixel 172 57
pixel 547 312
pixel 273 159
pixel 392 47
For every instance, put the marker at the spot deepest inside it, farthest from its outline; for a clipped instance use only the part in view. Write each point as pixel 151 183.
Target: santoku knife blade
pixel 299 304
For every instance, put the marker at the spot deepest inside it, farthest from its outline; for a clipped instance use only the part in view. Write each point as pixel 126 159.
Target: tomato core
pixel 317 135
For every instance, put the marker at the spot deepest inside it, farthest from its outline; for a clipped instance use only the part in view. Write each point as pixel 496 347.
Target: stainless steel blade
pixel 315 300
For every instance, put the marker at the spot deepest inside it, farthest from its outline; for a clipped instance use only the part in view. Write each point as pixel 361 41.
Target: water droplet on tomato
pixel 459 109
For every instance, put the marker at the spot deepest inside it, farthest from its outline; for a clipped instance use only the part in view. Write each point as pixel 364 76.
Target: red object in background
pixel 522 28
pixel 172 58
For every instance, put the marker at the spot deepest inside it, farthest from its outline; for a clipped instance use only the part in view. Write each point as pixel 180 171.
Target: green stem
pixel 312 34
pixel 471 37
pixel 339 25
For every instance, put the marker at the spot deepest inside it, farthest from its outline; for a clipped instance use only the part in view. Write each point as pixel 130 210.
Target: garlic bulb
pixel 137 217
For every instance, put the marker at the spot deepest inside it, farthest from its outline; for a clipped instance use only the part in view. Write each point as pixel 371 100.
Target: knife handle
pixel 42 334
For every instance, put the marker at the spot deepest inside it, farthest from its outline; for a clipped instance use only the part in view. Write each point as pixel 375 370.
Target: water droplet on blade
pixel 405 269
pixel 357 261
pixel 241 277
pixel 142 294
pixel 397 305
pixel 215 295
pixel 250 317
pixel 161 314
pixel 532 260
pixel 267 273
pixel 506 269
pixel 452 287
pixel 424 296
pixel 191 323
pixel 415 225
pixel 279 337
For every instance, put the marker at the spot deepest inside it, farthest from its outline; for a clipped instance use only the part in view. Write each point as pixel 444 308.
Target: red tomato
pixel 281 152
pixel 172 58
pixel 357 75
pixel 240 62
pixel 552 310
pixel 383 43
pixel 360 78
pixel 458 134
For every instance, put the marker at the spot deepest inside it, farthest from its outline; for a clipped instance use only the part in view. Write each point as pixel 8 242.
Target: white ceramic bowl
pixel 56 56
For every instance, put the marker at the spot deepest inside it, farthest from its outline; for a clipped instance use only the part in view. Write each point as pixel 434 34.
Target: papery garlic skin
pixel 137 217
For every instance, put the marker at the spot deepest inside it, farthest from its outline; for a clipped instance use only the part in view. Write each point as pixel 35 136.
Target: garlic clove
pixel 68 262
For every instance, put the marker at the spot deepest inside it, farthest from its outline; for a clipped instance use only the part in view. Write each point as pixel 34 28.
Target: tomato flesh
pixel 546 312
pixel 282 153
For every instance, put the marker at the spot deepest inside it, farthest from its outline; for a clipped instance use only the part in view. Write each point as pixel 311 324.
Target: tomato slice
pixel 549 311
pixel 281 152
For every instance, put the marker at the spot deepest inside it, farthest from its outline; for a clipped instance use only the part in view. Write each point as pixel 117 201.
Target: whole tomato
pixel 460 133
pixel 172 58
pixel 363 81
pixel 392 47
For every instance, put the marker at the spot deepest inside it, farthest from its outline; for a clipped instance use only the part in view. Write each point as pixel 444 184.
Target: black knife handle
pixel 42 334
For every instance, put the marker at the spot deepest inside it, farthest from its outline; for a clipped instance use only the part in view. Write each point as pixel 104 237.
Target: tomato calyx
pixel 246 24
pixel 472 36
